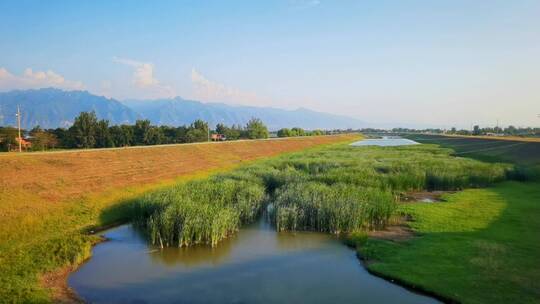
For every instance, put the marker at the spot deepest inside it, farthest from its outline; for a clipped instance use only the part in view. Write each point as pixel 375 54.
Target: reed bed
pixel 199 212
pixel 334 209
pixel 336 189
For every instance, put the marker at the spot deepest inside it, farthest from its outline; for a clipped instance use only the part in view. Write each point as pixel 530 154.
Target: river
pixel 257 265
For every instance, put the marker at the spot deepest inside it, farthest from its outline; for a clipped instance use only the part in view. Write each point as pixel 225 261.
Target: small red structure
pixel 25 144
pixel 218 137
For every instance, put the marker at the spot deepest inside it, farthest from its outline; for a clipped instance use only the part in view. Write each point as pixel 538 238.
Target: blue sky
pixel 441 63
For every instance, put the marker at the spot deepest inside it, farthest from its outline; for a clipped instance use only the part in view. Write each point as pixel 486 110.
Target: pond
pixel 257 265
pixel 385 141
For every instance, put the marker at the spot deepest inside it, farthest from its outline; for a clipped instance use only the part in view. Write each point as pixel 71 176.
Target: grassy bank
pixel 480 246
pixel 519 152
pixel 49 200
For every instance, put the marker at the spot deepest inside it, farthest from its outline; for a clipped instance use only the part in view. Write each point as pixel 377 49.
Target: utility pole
pixel 19 127
pixel 208 129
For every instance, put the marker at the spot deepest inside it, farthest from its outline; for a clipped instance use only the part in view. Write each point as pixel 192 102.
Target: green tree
pixel 255 128
pixel 284 132
pixel 169 134
pixel 122 136
pixel 221 129
pixel 476 130
pixel 42 140
pixel 8 138
pixel 196 135
pixel 154 136
pixel 180 134
pixel 103 136
pixel 234 132
pixel 140 130
pixel 510 130
pixel 84 130
pixel 197 131
pixel 64 137
pixel 298 131
pixel 200 125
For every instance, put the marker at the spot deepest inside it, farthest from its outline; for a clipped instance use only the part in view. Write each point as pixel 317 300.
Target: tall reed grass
pixel 335 209
pixel 199 212
pixel 336 189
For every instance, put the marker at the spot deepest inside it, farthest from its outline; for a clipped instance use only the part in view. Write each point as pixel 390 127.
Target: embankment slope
pixel 47 199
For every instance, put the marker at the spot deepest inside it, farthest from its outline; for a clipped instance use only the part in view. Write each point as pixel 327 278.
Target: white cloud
pixel 31 79
pixel 208 90
pixel 143 78
pixel 144 72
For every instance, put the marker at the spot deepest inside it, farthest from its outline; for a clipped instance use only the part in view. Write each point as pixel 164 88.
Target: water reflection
pixel 195 255
pixel 258 265
pixel 385 141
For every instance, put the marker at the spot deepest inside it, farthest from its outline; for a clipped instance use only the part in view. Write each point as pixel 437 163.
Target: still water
pixel 385 141
pixel 258 265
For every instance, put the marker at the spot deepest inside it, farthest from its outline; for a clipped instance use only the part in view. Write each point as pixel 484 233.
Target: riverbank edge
pixel 401 279
pixel 63 293
pixel 56 281
pixel 59 289
pixel 357 247
pixel 405 284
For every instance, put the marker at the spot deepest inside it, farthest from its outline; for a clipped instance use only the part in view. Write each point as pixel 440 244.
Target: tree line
pixel 88 132
pixel 286 132
pixel 477 130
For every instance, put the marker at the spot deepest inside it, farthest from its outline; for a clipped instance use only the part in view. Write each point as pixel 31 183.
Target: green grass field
pixel 480 245
pixel 490 150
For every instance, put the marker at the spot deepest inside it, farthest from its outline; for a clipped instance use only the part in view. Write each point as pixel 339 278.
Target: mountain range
pixel 52 108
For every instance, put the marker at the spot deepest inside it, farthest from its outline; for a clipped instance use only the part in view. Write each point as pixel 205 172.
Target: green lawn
pixel 480 246
pixel 525 154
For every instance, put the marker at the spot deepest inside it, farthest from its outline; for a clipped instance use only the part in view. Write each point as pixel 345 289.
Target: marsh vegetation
pixel 337 189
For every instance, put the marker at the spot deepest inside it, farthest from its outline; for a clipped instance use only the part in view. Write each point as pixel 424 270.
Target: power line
pixel 19 127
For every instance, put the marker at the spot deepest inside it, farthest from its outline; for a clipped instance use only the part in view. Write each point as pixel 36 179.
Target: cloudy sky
pixel 441 63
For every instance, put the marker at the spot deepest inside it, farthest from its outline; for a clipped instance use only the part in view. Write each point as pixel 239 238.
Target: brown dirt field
pixel 58 176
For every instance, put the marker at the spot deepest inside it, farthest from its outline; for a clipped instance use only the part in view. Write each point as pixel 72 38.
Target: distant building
pixel 218 137
pixel 25 144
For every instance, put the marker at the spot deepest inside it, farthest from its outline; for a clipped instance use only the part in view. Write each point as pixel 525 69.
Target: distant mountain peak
pixel 51 108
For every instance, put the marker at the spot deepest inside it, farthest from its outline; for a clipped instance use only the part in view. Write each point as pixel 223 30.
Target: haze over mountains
pixel 52 108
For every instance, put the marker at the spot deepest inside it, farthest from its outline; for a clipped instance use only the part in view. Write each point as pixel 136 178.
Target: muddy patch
pixel 424 196
pixel 397 232
pixel 56 282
